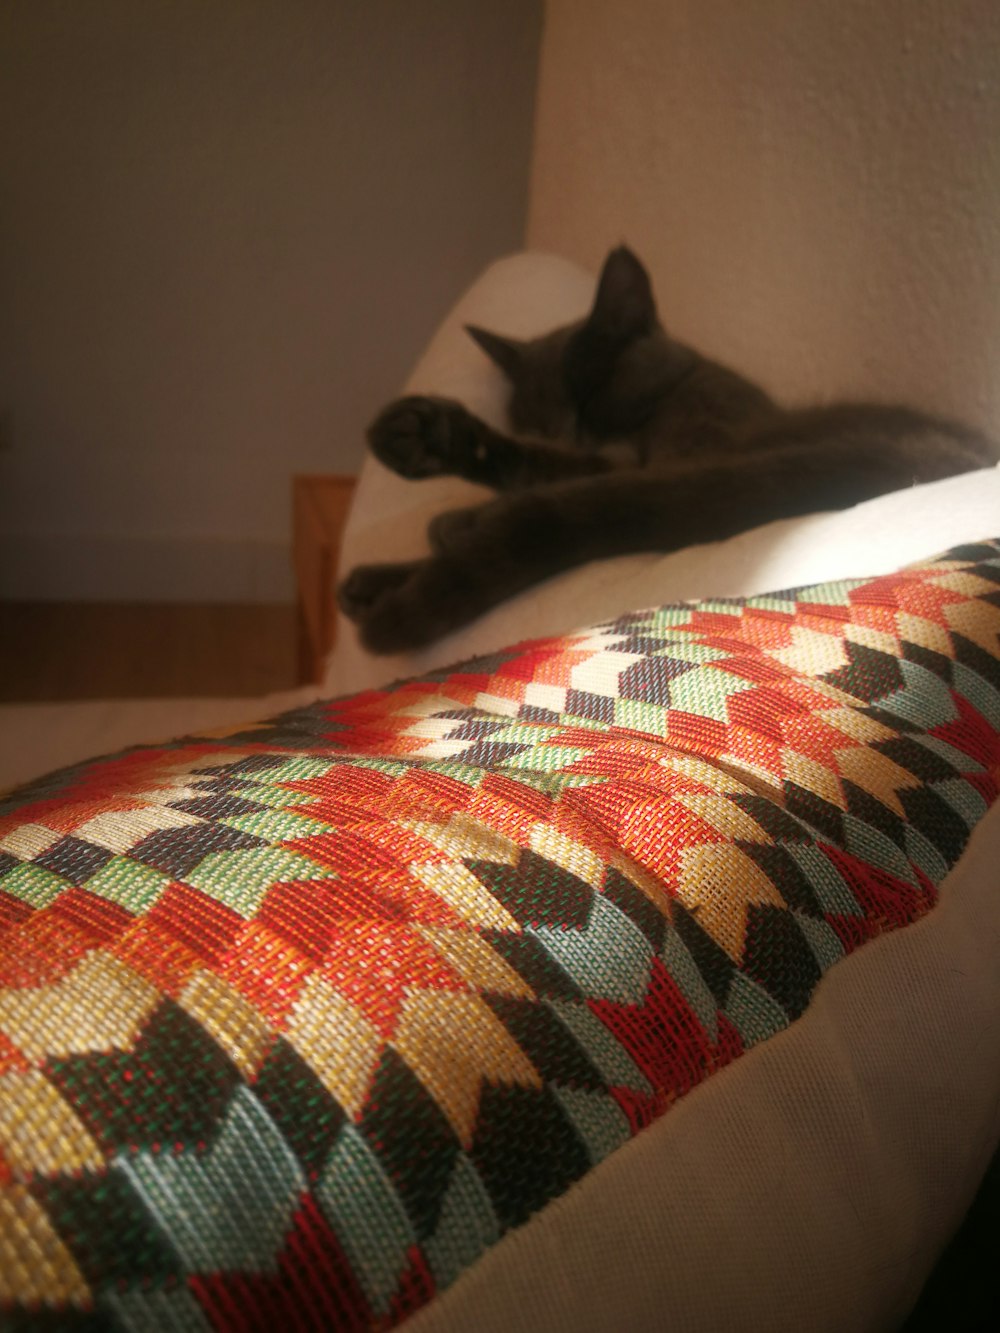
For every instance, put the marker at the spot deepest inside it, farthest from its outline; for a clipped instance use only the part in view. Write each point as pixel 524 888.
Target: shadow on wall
pixel 816 187
pixel 228 229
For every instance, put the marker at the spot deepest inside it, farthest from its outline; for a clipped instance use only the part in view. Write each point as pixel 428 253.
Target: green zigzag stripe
pixel 609 959
pixel 367 1214
pixel 230 1208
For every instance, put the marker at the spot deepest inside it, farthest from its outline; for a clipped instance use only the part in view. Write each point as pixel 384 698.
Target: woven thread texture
pixel 296 1022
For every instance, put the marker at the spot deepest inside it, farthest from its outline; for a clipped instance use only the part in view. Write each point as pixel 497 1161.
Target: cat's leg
pixel 564 524
pixel 366 585
pixel 546 529
pixel 419 437
pixel 568 523
pixel 495 551
pixel 429 599
pixel 487 554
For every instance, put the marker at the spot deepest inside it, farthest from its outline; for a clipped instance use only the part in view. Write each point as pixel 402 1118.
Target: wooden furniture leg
pixel 319 512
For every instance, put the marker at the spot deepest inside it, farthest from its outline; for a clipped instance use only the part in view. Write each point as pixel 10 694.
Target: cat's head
pixel 599 378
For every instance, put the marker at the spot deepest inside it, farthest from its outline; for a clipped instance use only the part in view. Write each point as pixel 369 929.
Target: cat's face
pixel 599 378
pixel 540 402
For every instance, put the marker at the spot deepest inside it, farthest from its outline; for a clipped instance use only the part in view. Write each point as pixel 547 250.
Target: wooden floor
pixel 72 650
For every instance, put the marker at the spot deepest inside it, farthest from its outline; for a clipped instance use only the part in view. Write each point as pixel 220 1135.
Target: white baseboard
pixel 53 568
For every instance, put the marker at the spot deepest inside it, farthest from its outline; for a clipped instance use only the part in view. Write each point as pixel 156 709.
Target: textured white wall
pixel 226 229
pixel 814 183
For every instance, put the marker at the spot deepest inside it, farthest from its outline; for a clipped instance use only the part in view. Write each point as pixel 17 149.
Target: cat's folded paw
pixel 417 437
pixel 382 602
pixel 451 532
pixel 360 594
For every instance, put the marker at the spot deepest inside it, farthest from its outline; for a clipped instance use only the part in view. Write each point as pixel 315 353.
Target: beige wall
pixel 226 228
pixel 815 183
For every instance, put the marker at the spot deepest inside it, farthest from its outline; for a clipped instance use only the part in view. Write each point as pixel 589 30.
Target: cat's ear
pixel 624 307
pixel 507 353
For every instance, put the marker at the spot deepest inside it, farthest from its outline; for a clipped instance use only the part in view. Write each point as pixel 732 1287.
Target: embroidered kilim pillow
pixel 300 1023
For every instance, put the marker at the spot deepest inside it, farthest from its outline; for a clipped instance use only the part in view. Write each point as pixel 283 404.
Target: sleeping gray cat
pixel 623 441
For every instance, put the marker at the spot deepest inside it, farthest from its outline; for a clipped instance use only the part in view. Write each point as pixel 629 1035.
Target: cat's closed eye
pixel 543 410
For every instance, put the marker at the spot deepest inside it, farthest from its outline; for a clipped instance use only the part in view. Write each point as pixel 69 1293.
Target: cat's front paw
pixel 419 437
pixel 397 607
pixel 361 593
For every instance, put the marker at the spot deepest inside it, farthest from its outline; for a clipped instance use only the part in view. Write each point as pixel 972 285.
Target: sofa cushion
pixel 309 1023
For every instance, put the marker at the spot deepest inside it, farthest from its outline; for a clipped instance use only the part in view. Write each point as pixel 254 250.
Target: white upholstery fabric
pixel 37 738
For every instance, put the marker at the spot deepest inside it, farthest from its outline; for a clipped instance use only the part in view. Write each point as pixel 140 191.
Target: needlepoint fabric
pixel 297 1022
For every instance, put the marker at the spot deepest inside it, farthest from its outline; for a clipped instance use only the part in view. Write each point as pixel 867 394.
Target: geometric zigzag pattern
pixel 296 1022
